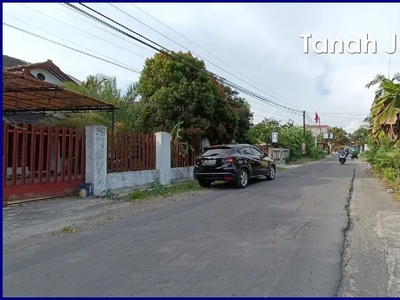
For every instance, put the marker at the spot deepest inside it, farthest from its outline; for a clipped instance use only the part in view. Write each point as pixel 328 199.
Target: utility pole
pixel 304 124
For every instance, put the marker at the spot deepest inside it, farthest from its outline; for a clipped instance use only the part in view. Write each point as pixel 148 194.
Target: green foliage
pixel 385 111
pixel 360 136
pixel 340 136
pixel 105 89
pixel 262 132
pixel 171 91
pixel 155 189
pixel 385 161
pixel 290 136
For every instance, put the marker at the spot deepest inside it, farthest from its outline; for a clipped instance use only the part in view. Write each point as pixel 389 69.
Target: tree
pixel 176 90
pixel 385 111
pixel 105 89
pixel 340 136
pixel 360 136
pixel 290 136
pixel 262 132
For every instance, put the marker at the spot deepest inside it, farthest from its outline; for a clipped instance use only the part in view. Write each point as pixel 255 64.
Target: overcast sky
pixel 261 41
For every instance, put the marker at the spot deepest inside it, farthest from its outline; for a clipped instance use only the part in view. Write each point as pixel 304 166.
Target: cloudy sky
pixel 256 43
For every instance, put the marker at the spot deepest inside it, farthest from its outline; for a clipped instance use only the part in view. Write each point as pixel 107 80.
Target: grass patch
pixel 156 189
pixel 66 230
pixel 278 169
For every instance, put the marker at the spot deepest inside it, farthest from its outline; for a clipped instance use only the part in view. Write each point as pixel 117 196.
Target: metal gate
pixel 41 161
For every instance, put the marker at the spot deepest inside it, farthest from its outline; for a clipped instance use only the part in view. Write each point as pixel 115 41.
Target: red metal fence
pixel 41 161
pixel 131 151
pixel 183 156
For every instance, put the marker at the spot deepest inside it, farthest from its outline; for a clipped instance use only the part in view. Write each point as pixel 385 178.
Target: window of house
pixel 41 76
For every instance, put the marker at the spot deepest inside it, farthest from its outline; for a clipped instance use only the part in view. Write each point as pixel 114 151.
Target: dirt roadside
pixel 29 224
pixel 371 258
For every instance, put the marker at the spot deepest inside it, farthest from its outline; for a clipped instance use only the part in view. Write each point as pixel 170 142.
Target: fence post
pixel 163 156
pixel 96 158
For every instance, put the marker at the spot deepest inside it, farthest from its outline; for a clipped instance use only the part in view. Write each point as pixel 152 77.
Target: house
pixel 45 71
pixel 317 129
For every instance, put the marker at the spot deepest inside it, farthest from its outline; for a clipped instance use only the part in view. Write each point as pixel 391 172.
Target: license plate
pixel 210 162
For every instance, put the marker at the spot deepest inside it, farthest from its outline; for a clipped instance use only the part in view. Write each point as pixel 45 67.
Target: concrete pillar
pixel 270 151
pixel 96 158
pixel 163 156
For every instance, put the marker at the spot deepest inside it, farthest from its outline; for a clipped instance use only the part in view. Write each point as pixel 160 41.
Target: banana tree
pixel 386 112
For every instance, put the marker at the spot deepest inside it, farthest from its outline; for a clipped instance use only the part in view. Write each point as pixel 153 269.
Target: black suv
pixel 237 163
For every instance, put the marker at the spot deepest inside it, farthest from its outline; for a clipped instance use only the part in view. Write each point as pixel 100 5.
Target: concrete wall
pixel 128 179
pixel 138 178
pixel 96 164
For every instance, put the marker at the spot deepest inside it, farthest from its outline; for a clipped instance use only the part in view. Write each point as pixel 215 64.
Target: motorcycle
pixel 342 157
pixel 354 154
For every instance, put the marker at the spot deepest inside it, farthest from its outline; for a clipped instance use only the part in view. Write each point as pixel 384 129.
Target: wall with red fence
pixel 41 161
pixel 130 152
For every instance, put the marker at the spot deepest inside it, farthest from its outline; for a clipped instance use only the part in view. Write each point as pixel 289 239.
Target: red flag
pixel 316 118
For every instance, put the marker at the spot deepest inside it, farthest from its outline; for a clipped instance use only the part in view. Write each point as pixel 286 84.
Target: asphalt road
pixel 279 238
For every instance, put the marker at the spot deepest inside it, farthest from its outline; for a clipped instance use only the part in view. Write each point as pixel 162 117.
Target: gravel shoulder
pixel 372 244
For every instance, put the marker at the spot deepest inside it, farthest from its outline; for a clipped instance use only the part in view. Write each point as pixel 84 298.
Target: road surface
pixel 279 238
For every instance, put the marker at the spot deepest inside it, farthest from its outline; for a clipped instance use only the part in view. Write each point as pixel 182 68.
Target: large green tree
pixel 340 136
pixel 180 90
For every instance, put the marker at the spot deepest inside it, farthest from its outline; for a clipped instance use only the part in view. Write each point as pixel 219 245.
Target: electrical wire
pixel 136 19
pixel 77 28
pixel 171 53
pixel 111 59
pixel 101 28
pixel 76 50
pixel 181 35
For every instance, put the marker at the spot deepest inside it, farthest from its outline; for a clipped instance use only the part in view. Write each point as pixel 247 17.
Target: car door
pixel 252 160
pixel 264 163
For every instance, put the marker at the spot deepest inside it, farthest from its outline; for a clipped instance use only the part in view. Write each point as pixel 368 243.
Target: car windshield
pixel 217 151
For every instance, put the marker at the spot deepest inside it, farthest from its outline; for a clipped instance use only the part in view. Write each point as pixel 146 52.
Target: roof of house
pixel 22 94
pixel 13 64
pixel 317 126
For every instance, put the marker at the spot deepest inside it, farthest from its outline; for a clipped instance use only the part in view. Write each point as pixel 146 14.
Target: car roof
pixel 229 146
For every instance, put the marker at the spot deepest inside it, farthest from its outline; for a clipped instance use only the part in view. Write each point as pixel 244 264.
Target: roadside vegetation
pixel 383 134
pixel 289 136
pixel 156 189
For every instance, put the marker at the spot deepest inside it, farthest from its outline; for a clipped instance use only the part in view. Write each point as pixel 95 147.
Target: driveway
pixel 279 238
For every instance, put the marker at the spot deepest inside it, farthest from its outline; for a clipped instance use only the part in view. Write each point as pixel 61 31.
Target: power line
pixel 76 50
pixel 101 28
pixel 181 35
pixel 104 40
pixel 193 52
pixel 111 59
pixel 172 54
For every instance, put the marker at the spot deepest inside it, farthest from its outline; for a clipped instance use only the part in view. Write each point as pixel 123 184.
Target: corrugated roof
pixel 26 94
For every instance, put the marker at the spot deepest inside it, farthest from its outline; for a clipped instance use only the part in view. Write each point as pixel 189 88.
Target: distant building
pixel 45 71
pixel 317 129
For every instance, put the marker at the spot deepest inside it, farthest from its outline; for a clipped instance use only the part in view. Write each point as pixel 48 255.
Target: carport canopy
pixel 22 94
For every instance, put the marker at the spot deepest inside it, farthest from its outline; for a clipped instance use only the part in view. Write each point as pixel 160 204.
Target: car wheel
pixel 243 179
pixel 272 173
pixel 205 183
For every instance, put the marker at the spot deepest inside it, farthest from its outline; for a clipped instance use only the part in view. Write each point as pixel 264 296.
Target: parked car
pixel 235 163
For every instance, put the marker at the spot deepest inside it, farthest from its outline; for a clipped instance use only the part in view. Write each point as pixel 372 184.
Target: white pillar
pixel 96 158
pixel 163 156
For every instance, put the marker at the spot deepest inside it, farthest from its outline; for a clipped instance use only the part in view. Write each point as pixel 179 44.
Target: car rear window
pixel 217 151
